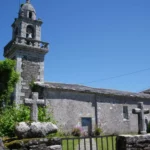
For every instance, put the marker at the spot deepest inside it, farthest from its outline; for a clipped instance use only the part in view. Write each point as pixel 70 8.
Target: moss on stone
pixel 41 143
pixel 18 143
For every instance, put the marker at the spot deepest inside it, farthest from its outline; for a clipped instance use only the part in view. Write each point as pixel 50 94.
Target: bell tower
pixel 27 49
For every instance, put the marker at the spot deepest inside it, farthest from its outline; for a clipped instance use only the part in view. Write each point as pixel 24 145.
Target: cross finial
pixel 27 1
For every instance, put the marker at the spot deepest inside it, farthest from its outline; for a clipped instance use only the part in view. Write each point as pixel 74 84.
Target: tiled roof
pixel 86 89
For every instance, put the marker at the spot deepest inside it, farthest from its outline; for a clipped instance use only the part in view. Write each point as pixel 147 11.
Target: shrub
pixel 97 131
pixel 11 115
pixel 8 80
pixel 77 131
pixel 45 116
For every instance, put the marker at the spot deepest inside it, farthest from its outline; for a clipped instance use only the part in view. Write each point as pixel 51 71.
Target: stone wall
pixel 110 114
pixel 69 105
pixel 133 142
pixel 31 68
pixel 35 144
pixel 30 72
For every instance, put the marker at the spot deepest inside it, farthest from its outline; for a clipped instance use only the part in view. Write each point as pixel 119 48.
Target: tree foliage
pixel 12 115
pixel 8 80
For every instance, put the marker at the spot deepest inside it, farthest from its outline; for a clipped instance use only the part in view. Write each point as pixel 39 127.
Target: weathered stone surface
pixel 55 141
pixel 22 129
pixel 55 147
pixel 77 101
pixel 35 129
pixel 34 102
pixel 35 144
pixel 86 89
pixel 133 142
pixel 141 118
pixel 28 50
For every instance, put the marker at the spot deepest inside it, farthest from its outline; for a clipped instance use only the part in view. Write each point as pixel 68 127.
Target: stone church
pixel 72 105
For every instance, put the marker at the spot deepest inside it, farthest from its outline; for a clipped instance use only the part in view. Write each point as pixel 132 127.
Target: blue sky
pixel 91 40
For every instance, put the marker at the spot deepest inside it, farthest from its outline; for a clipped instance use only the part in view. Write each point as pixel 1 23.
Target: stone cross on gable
pixel 34 102
pixel 141 119
pixel 27 1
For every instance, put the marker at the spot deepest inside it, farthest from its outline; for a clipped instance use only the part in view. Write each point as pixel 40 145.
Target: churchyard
pixel 45 135
pixel 40 115
pixel 36 134
pixel 30 126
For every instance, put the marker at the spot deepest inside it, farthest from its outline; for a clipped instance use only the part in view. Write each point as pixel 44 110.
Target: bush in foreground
pixel 11 115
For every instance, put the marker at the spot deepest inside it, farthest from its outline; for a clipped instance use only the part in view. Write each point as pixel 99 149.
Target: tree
pixel 8 80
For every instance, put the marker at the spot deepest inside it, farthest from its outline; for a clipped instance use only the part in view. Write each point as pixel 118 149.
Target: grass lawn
pixel 70 144
pixel 106 143
pixel 103 143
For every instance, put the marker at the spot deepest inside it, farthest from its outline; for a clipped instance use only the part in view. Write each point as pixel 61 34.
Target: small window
pixel 86 121
pixel 30 15
pixel 125 112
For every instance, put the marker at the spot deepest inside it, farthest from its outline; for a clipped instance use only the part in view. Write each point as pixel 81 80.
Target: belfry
pixel 27 49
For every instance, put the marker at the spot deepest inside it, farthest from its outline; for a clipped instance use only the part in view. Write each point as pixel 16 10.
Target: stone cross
pixel 27 1
pixel 34 102
pixel 141 119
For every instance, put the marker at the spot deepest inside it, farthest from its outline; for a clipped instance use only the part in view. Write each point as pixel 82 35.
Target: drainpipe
pixel 96 118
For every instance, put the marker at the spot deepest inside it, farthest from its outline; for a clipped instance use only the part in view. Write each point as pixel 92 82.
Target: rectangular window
pixel 125 112
pixel 86 121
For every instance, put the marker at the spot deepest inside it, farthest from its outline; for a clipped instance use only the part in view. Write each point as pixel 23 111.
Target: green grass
pixel 106 143
pixel 101 143
pixel 70 144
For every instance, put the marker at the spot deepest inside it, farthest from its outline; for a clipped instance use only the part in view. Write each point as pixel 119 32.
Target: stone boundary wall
pixel 133 142
pixel 34 144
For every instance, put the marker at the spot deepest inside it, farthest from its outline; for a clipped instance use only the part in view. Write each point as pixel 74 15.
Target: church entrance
pixel 87 125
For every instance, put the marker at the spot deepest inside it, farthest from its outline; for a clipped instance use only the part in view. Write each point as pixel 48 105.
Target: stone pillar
pixel 133 142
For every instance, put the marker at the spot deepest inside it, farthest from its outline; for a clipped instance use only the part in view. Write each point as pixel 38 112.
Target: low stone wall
pixel 35 144
pixel 133 142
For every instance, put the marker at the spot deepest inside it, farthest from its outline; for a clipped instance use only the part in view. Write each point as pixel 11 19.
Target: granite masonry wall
pixel 31 68
pixel 133 142
pixel 70 107
pixel 106 110
pixel 111 115
pixel 30 72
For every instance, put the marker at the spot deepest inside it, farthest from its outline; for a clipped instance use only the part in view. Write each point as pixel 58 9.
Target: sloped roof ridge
pixel 147 91
pixel 86 89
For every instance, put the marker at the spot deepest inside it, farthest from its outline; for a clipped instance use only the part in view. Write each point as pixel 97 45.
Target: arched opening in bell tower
pixel 30 15
pixel 30 32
